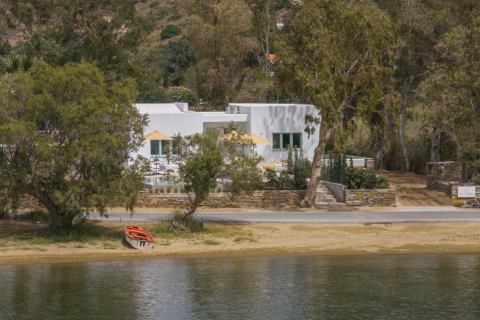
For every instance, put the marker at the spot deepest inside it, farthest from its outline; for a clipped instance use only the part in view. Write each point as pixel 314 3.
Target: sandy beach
pixel 254 239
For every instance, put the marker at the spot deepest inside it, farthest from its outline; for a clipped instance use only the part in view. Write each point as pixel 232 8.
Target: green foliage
pixel 359 178
pixel 201 168
pixel 294 178
pixel 244 174
pixel 103 32
pixel 180 94
pixel 170 31
pixel 220 32
pixel 334 168
pixel 13 63
pixel 338 56
pixel 66 136
pixel 354 178
pixel 181 223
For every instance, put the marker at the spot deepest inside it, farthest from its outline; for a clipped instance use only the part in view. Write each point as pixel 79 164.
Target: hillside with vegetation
pixel 395 80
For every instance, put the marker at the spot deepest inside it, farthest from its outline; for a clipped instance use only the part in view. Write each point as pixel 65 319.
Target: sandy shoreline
pixel 266 239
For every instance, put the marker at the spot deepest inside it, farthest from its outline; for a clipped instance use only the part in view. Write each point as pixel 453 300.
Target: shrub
pixel 271 181
pixel 182 223
pixel 382 182
pixel 369 179
pixel 181 94
pixel 359 178
pixel 354 178
pixel 170 31
pixel 294 178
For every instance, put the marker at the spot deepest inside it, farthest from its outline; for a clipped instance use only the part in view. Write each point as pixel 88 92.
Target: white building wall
pixel 265 120
pixel 172 124
pixel 261 119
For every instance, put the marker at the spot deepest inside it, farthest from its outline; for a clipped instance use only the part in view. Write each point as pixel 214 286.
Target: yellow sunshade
pixel 157 135
pixel 259 140
pixel 246 138
pixel 271 165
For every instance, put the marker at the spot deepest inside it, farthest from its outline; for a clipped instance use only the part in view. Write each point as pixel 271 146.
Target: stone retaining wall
pixel 446 187
pixel 266 199
pixel 371 198
pixel 443 171
pixel 465 202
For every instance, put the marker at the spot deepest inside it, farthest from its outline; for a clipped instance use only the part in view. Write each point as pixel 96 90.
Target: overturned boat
pixel 139 238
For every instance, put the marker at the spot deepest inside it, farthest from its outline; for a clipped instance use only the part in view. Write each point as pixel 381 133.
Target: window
pixel 276 141
pixel 163 148
pixel 286 140
pixel 155 147
pixel 282 141
pixel 297 140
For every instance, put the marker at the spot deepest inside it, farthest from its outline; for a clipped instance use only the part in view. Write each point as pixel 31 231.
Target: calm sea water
pixel 357 287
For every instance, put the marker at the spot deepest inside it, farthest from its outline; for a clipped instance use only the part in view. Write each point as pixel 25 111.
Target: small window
pixel 155 147
pixel 297 140
pixel 276 141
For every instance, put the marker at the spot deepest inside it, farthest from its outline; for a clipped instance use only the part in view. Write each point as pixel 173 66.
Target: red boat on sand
pixel 138 237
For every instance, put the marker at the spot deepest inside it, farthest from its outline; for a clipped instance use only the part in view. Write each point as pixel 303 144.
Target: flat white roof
pixel 212 117
pixel 157 108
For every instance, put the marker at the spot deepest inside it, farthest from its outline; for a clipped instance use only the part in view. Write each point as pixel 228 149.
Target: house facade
pixel 280 124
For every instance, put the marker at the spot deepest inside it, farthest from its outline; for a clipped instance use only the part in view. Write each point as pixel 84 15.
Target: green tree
pixel 451 94
pixel 66 137
pixel 220 32
pixel 204 163
pixel 104 32
pixel 336 55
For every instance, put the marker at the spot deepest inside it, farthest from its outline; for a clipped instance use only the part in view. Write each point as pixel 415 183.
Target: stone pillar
pixel 449 171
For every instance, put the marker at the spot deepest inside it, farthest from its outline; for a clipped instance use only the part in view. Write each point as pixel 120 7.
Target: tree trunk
pixel 381 153
pixel 317 163
pixel 435 150
pixel 403 142
pixel 58 218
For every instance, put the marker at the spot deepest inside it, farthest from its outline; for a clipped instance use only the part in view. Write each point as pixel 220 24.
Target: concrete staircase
pixel 325 199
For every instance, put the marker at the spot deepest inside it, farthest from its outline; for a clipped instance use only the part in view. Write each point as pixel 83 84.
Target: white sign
pixel 466 192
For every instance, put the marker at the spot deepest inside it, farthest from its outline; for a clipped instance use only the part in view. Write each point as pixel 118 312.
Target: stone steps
pixel 324 198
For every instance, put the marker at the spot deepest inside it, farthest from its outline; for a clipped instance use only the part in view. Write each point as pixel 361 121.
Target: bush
pixel 182 223
pixel 181 94
pixel 170 31
pixel 359 178
pixel 354 178
pixel 294 178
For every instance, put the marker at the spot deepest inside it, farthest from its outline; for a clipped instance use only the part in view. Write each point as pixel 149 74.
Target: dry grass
pixel 412 191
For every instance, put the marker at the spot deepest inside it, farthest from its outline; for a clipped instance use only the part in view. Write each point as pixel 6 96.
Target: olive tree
pixel 209 157
pixel 65 140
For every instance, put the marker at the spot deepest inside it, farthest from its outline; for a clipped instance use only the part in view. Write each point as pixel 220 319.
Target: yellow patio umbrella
pixel 246 138
pixel 157 135
pixel 256 139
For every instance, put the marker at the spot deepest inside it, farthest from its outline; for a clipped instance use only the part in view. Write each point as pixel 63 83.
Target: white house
pixel 280 124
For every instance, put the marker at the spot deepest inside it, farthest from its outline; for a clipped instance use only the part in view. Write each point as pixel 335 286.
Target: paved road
pixel 324 217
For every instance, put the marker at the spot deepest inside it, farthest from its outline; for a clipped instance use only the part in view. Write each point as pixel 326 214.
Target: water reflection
pixel 360 287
